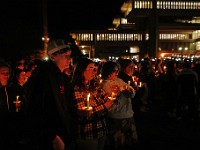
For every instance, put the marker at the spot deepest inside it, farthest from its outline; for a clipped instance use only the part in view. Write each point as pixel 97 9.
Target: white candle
pixel 129 82
pixel 17 98
pixel 140 84
pixel 112 95
pixel 88 101
pixel 16 103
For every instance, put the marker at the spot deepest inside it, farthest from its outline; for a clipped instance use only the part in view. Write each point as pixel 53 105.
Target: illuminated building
pixel 154 27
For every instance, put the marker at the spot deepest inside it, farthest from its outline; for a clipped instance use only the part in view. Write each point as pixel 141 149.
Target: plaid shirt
pixel 91 126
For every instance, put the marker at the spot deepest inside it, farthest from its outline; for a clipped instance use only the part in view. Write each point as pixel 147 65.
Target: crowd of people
pixel 91 105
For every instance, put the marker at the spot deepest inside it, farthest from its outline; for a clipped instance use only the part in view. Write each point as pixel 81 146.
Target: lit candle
pixel 112 95
pixel 135 83
pixel 101 80
pixel 140 84
pixel 17 98
pixel 88 101
pixel 17 103
pixel 165 68
pixel 129 82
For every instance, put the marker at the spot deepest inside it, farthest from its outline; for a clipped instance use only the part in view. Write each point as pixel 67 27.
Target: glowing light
pixel 46 58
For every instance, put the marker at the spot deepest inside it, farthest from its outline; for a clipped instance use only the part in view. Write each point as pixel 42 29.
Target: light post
pixel 45 41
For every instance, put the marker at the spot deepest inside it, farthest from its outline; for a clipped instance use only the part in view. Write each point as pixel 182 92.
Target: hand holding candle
pixel 113 96
pixel 17 103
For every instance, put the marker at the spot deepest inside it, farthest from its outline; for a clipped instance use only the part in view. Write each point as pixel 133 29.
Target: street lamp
pixel 45 40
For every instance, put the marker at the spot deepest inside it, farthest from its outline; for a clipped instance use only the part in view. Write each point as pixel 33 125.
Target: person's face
pixel 63 60
pixel 129 69
pixel 89 72
pixel 21 64
pixel 114 75
pixel 4 75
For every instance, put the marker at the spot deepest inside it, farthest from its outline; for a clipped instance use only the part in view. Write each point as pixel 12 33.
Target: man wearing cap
pixel 50 112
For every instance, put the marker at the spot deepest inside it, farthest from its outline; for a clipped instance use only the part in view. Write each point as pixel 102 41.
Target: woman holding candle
pixel 140 100
pixel 91 123
pixel 121 117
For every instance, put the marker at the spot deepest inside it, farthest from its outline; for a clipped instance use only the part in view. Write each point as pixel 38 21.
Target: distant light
pixel 180 48
pixel 97 59
pixel 43 39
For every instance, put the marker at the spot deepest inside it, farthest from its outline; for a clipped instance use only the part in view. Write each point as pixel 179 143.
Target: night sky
pixel 21 27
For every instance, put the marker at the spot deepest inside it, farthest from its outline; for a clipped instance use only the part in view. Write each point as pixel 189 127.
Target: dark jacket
pixel 7 126
pixel 49 107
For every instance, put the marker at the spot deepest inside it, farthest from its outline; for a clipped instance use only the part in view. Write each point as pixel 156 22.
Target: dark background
pixel 21 25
